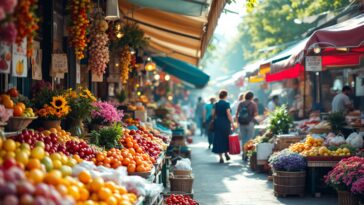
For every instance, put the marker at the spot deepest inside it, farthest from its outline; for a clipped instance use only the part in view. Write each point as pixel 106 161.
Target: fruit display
pixel 79 10
pixel 133 158
pixel 143 141
pixel 174 199
pixel 12 100
pixel 315 147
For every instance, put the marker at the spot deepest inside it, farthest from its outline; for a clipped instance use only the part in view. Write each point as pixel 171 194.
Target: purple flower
pixel 106 113
pixel 358 186
pixel 288 161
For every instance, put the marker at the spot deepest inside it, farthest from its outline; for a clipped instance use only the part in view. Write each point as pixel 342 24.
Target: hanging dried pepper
pixel 26 22
pixel 125 59
pixel 79 11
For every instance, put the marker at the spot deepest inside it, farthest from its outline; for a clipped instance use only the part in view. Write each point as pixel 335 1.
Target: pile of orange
pixel 135 161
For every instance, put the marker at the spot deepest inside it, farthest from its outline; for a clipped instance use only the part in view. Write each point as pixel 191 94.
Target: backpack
pixel 244 117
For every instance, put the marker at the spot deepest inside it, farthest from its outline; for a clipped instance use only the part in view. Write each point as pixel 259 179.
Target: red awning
pixel 343 60
pixel 347 34
pixel 293 72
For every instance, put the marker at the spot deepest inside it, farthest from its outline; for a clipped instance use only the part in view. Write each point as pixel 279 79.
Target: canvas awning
pixel 290 73
pixel 183 71
pixel 173 29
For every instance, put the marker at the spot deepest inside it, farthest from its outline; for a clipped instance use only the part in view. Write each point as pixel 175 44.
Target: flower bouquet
pixel 289 175
pixel 81 103
pixel 53 112
pixel 105 113
pixel 287 161
pixel 358 188
pixel 344 176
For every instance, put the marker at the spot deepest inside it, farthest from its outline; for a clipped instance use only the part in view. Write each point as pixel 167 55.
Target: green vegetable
pixel 107 137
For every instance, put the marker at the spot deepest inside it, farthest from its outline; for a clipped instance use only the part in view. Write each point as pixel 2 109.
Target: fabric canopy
pixel 346 34
pixel 290 73
pixel 184 37
pixel 190 8
pixel 182 70
pixel 343 60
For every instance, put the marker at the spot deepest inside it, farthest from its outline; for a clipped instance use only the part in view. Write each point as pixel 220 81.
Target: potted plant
pixel 104 114
pixel 342 177
pixel 80 101
pixel 280 121
pixel 52 114
pixel 107 137
pixel 358 190
pixel 337 121
pixel 288 173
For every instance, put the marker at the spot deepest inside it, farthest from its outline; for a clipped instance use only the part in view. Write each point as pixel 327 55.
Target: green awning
pixel 183 71
pixel 189 8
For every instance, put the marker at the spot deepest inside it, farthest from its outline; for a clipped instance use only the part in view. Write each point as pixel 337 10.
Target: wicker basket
pixel 289 183
pixel 181 183
pixel 19 123
pixel 346 198
pixel 182 172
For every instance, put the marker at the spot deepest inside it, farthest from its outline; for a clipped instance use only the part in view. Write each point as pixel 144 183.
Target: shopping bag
pixel 234 144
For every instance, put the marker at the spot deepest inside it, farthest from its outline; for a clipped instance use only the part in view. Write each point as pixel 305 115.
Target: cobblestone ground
pixel 233 183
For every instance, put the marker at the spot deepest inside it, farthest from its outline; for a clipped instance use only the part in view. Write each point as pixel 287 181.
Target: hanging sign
pixel 36 61
pixel 19 63
pixel 59 63
pixel 5 58
pixel 313 63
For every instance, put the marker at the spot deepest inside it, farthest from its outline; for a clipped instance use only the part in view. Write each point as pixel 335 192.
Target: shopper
pixel 261 108
pixel 235 105
pixel 341 102
pixel 223 122
pixel 297 108
pixel 199 114
pixel 273 103
pixel 207 120
pixel 247 110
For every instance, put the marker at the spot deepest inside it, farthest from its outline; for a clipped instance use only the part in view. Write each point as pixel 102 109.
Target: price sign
pixel 313 63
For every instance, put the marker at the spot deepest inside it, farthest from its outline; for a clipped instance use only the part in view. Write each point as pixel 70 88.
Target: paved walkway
pixel 234 184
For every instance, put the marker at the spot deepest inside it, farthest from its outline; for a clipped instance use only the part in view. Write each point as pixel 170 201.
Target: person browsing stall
pixel 341 102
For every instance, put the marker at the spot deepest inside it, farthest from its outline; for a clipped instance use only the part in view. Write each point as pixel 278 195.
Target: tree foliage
pixel 272 23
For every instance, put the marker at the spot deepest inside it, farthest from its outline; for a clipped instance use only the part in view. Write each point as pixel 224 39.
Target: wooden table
pixel 313 166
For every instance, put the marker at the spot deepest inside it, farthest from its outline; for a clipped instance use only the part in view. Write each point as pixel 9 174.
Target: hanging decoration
pixel 129 34
pixel 80 11
pixel 26 23
pixel 8 30
pixel 99 51
pixel 125 59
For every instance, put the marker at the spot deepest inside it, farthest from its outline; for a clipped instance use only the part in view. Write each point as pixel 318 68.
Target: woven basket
pixel 181 183
pixel 289 183
pixel 285 142
pixel 346 198
pixel 182 172
pixel 19 123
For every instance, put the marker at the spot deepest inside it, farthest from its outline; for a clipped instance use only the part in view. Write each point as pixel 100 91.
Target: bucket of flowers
pixel 53 112
pixel 342 178
pixel 104 114
pixel 289 173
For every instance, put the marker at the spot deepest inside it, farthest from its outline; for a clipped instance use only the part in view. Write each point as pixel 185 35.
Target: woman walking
pixel 223 122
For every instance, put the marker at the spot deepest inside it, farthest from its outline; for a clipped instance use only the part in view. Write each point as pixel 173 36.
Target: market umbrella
pixel 183 71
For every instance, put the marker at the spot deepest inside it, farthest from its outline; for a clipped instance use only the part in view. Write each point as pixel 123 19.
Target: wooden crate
pixel 284 142
pixel 181 183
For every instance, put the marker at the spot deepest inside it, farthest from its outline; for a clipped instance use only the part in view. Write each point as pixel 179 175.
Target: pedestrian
pixel 341 102
pixel 245 116
pixel 273 103
pixel 207 119
pixel 297 108
pixel 223 122
pixel 261 108
pixel 235 105
pixel 199 114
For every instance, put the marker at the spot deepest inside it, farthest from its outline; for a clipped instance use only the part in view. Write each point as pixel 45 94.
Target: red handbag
pixel 234 144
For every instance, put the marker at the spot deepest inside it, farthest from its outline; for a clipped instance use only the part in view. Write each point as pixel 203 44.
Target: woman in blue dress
pixel 223 122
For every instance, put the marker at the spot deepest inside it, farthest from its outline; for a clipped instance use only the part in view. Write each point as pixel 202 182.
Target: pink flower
pixel 2 14
pixel 106 113
pixel 358 186
pixel 8 33
pixel 5 114
pixel 8 5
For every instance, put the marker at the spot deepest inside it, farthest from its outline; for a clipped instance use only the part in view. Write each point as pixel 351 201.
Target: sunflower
pixel 89 95
pixel 58 102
